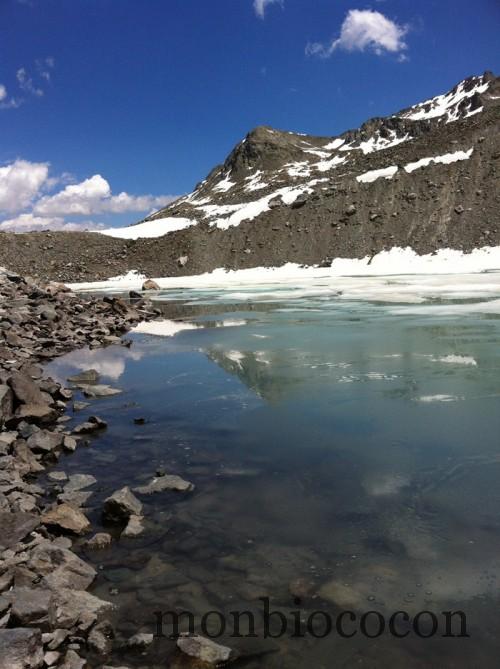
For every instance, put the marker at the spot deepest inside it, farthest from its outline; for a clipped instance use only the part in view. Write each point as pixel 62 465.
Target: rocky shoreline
pixel 47 617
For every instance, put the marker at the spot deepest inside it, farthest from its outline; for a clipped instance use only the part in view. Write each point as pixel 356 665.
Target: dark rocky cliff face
pixel 281 196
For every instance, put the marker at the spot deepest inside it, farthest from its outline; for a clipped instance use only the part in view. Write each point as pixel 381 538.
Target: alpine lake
pixel 345 456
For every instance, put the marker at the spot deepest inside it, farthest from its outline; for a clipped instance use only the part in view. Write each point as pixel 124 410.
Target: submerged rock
pixel 140 641
pixel 100 639
pixel 79 482
pixel 98 390
pixel 78 405
pixel 58 476
pixel 134 527
pixel 75 498
pixel 301 588
pixel 87 376
pixel 203 649
pixel 166 482
pixel 99 540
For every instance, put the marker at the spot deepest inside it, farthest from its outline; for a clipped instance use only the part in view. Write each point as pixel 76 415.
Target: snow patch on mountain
pixel 247 211
pixel 254 181
pixel 378 143
pixel 224 185
pixel 298 169
pixel 446 159
pixel 156 228
pixel 325 165
pixel 373 175
pixel 446 105
pixel 335 144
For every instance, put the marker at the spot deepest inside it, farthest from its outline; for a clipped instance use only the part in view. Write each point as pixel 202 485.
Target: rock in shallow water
pixel 100 639
pixel 87 376
pixel 69 444
pixel 79 482
pixel 99 390
pixel 120 506
pixel 203 649
pixel 58 476
pixel 99 540
pixel 79 405
pixel 75 498
pixel 166 482
pixel 140 641
pixel 93 424
pixel 134 527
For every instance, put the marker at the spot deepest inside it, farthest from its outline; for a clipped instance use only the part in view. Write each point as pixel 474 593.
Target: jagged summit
pixel 269 160
pixel 464 100
pixel 266 148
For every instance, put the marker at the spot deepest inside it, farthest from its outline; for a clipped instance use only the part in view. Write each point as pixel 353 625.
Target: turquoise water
pixel 352 446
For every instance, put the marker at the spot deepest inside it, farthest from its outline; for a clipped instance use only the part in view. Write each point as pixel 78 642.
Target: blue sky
pixel 151 95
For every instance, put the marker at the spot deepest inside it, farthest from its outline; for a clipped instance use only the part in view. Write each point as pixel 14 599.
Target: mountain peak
pixel 422 177
pixel 263 148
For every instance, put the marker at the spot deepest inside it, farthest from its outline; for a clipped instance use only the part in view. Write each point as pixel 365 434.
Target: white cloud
pixel 364 29
pixel 23 196
pixel 44 66
pixel 20 183
pixel 260 6
pixel 5 102
pixel 29 222
pixel 26 83
pixel 93 196
pixel 12 103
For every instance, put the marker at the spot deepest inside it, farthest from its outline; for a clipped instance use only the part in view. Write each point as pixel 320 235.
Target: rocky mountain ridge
pixel 426 177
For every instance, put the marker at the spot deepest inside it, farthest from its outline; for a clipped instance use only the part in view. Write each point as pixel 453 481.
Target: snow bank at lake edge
pixel 397 261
